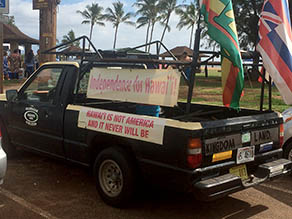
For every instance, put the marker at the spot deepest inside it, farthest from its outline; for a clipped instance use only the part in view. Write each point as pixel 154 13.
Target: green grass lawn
pixel 209 91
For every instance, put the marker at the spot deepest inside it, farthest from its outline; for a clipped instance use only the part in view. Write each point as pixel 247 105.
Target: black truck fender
pixel 98 142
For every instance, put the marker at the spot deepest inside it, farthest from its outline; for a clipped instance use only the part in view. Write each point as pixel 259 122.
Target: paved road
pixel 37 187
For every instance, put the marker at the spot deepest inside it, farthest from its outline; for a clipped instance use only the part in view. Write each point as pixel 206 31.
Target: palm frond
pixel 85 22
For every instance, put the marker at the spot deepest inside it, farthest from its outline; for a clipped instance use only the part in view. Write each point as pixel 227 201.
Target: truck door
pixel 36 117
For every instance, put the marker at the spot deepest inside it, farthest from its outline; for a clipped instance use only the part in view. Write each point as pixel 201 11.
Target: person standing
pixel 5 66
pixel 15 64
pixel 29 63
pixel 37 60
pixel 185 58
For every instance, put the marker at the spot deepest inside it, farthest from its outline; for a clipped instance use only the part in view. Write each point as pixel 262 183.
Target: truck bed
pixel 199 112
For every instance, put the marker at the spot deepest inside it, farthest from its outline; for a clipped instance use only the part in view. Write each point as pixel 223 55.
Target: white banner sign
pixel 133 126
pixel 146 86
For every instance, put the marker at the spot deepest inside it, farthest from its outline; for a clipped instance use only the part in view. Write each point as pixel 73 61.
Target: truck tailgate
pixel 248 136
pixel 239 153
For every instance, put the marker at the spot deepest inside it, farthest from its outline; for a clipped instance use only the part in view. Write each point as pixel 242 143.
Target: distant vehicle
pixel 3 161
pixel 287 147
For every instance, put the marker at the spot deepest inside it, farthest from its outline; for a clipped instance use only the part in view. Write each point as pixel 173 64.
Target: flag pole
pixel 270 93
pixel 263 89
pixel 195 63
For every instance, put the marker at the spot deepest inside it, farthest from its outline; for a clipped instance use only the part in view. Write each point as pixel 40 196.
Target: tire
pixel 115 177
pixel 7 146
pixel 288 151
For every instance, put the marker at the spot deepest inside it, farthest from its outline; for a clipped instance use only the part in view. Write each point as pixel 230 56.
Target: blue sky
pixel 27 21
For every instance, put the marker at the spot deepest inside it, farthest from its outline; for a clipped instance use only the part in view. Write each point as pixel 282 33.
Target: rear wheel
pixel 115 177
pixel 288 151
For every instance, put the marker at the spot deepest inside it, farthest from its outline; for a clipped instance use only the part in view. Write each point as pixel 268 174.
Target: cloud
pixel 26 18
pixel 28 21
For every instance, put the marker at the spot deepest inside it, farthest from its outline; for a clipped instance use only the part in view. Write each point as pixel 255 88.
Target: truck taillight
pixel 281 135
pixel 194 152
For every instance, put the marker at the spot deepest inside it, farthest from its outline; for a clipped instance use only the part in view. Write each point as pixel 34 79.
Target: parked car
pixel 287 147
pixel 3 161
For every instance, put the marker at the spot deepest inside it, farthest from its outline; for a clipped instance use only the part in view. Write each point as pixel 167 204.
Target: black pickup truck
pixel 211 151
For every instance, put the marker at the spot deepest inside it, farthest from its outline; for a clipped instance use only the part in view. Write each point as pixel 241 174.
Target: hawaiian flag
pixel 275 45
pixel 220 20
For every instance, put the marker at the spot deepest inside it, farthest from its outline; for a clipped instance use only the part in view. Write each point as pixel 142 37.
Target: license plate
pixel 264 136
pixel 222 144
pixel 245 154
pixel 239 171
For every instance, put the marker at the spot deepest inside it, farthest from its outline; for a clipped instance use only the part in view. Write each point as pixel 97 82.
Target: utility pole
pixel 4 9
pixel 48 26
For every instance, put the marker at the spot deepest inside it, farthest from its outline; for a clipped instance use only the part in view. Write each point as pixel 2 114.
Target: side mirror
pixel 11 95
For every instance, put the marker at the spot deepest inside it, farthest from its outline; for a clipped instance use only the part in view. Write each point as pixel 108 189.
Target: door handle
pixel 47 114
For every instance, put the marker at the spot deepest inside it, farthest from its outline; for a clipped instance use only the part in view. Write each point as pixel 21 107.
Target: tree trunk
pixel 191 38
pixel 116 33
pixel 255 69
pixel 147 35
pixel 91 30
pixel 151 36
pixel 90 34
pixel 164 31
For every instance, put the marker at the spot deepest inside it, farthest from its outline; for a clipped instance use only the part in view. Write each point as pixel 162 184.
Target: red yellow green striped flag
pixel 220 20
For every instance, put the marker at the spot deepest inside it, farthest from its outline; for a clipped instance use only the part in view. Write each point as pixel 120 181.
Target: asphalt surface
pixel 37 187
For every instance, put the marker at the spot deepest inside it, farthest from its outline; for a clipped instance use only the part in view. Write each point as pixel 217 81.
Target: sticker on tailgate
pixel 221 144
pixel 264 136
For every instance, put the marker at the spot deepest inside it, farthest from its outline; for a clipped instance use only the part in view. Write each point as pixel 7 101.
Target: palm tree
pixel 93 15
pixel 167 7
pixel 142 21
pixel 117 16
pixel 188 18
pixel 149 11
pixel 70 37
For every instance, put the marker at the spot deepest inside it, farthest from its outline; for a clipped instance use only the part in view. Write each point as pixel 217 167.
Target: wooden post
pixel 13 46
pixel 48 27
pixel 27 48
pixel 1 57
pixel 4 9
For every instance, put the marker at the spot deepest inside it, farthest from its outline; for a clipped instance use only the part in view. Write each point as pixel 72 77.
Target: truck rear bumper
pixel 220 186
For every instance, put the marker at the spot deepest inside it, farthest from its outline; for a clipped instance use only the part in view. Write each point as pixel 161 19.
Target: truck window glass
pixel 43 87
pixel 83 84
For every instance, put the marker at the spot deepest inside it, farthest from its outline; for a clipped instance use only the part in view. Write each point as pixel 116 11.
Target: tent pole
pixel 195 63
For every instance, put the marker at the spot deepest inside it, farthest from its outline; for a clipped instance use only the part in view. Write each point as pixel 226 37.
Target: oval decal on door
pixel 31 118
